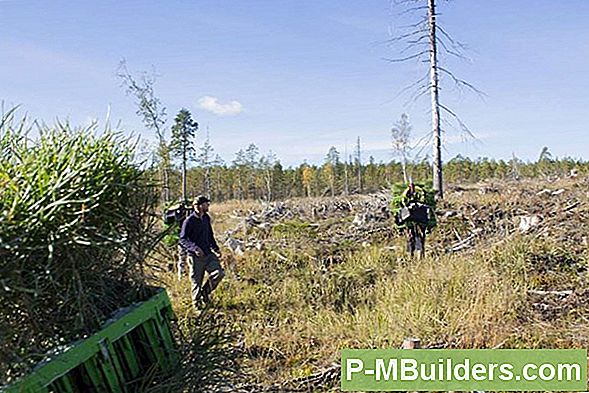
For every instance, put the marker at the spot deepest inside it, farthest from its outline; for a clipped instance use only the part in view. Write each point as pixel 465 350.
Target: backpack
pixel 406 212
pixel 175 214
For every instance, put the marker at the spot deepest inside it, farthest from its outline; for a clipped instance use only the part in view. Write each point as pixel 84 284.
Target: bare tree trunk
pixel 207 182
pixel 184 177
pixel 239 188
pixel 268 183
pixel 514 167
pixel 359 158
pixel 165 172
pixel 437 153
pixel 166 187
pixel 360 186
pixel 269 187
pixel 404 167
pixel 346 188
pixel 217 186
pixel 332 184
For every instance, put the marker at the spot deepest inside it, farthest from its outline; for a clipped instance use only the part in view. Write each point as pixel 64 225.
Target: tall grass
pixel 76 223
pixel 296 315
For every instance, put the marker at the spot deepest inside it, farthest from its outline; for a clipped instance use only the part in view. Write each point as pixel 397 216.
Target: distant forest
pixel 251 176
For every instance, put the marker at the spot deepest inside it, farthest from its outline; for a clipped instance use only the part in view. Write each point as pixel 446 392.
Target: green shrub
pixel 397 190
pixel 76 225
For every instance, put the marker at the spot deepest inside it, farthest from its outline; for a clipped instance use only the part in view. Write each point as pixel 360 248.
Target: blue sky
pixel 296 77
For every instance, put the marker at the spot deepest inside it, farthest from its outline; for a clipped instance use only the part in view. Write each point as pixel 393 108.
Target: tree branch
pixel 422 22
pixel 404 36
pixel 462 125
pixel 418 40
pixel 455 44
pixel 460 82
pixel 420 92
pixel 406 58
pixel 412 9
pixel 425 141
pixel 411 86
pixel 415 45
pixel 457 54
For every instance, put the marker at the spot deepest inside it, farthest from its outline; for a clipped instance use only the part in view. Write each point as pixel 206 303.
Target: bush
pixel 76 224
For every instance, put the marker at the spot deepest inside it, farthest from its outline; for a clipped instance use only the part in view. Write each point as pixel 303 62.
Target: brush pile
pixel 477 214
pixel 75 227
pixel 473 216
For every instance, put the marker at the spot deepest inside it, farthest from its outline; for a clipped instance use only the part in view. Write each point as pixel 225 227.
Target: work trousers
pixel 182 261
pixel 198 265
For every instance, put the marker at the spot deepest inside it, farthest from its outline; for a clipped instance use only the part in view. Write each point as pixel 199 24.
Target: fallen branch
pixel 280 256
pixel 545 293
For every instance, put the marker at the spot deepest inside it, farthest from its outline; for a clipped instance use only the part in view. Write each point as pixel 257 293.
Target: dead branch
pixel 455 43
pixel 406 58
pixel 461 82
pixel 411 86
pixel 460 122
pixel 404 36
pixel 450 52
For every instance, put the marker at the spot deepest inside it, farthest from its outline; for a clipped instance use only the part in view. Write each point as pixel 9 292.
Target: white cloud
pixel 212 104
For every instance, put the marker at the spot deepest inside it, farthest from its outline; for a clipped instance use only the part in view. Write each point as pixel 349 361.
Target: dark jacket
pixel 198 232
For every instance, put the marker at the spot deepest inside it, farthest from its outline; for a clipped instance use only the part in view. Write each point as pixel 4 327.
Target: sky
pixel 297 77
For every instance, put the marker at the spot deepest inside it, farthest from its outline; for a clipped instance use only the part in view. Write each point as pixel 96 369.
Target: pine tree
pixel 182 144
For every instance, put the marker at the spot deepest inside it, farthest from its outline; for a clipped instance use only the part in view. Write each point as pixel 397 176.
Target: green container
pixel 134 346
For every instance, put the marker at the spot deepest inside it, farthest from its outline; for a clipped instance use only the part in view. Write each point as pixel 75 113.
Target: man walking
pixel 198 240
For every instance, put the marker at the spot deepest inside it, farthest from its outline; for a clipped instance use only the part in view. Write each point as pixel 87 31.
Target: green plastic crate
pixel 136 343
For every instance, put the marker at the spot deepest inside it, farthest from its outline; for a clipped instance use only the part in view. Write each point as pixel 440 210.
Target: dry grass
pixel 225 215
pixel 294 316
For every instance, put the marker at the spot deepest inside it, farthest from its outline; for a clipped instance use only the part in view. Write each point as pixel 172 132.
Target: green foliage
pixel 243 180
pixel 172 237
pixel 397 190
pixel 149 107
pixel 76 225
pixel 209 357
pixel 183 135
pixel 295 228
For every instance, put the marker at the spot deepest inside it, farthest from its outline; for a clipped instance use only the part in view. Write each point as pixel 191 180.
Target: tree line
pixel 252 175
pixel 182 170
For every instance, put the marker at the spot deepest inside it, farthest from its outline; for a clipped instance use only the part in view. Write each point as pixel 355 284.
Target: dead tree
pixel 205 160
pixel 267 166
pixel 358 152
pixel 346 183
pixel 434 88
pixel 401 135
pixel 423 40
pixel 153 115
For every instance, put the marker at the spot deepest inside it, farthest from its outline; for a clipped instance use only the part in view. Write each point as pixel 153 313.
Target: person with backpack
pixel 414 215
pixel 197 238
